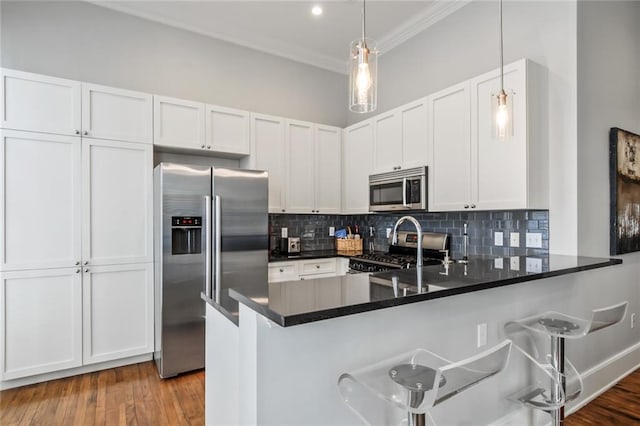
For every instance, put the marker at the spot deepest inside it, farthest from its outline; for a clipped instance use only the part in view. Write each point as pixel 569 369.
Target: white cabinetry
pixel 227 130
pixel 294 270
pixel 268 153
pixel 313 172
pixel 400 138
pixel 41 324
pixel 116 114
pixel 118 311
pixel 178 123
pixel 40 193
pixel 356 167
pixel 471 168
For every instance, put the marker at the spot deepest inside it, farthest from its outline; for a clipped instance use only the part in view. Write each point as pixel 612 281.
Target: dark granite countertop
pixel 298 302
pixel 312 254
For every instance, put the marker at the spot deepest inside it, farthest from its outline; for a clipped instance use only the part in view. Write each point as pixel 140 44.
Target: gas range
pixel 403 254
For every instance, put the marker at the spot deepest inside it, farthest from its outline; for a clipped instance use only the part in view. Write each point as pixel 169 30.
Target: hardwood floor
pixel 130 395
pixel 135 395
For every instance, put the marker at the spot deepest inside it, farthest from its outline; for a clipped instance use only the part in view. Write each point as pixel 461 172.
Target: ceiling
pixel 288 29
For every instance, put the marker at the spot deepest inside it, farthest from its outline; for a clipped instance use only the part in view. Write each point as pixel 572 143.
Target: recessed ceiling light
pixel 317 10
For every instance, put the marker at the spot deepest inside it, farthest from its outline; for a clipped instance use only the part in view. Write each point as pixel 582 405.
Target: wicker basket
pixel 351 244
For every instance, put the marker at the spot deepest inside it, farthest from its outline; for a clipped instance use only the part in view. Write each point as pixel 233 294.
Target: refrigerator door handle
pixel 207 251
pixel 217 249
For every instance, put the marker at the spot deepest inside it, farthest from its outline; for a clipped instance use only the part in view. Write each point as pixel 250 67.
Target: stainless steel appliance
pixel 210 234
pixel 435 247
pixel 398 190
pixel 290 245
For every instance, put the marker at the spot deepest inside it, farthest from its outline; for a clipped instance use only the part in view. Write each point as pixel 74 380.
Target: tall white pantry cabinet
pixel 76 224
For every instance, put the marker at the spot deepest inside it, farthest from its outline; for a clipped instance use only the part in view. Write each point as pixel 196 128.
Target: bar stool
pixel 557 327
pixel 402 389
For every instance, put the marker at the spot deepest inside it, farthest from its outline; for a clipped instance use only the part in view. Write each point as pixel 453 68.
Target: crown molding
pixel 437 11
pixel 270 45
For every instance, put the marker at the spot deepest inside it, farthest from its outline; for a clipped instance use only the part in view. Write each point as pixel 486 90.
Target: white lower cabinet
pixel 41 321
pixel 309 269
pixel 117 311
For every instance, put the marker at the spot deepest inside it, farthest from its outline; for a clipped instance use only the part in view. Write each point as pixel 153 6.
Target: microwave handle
pixel 404 193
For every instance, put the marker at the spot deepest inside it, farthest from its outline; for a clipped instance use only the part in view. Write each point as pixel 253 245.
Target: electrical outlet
pixel 482 334
pixel 284 232
pixel 514 263
pixel 498 263
pixel 514 239
pixel 498 239
pixel 332 231
pixel 633 320
pixel 534 265
pixel 389 232
pixel 533 239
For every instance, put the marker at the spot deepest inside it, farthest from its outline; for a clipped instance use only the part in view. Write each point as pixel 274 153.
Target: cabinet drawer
pixel 283 271
pixel 317 266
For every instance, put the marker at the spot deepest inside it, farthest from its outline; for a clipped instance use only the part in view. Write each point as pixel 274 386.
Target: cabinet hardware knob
pixel 85 133
pixel 281 270
pixel 282 210
pixel 86 262
pixel 466 206
pixel 77 271
pixel 202 146
pixel 317 266
pixel 208 146
pixel 473 206
pixel 77 132
pixel 86 269
pixel 78 263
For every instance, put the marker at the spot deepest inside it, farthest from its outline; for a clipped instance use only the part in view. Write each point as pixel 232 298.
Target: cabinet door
pixel 449 174
pixel 300 173
pixel 387 142
pixel 117 311
pixel 110 113
pixel 39 103
pixel 41 321
pixel 267 139
pixel 40 194
pixel 328 169
pixel 415 151
pixel 356 166
pixel 227 130
pixel 500 180
pixel 178 123
pixel 117 207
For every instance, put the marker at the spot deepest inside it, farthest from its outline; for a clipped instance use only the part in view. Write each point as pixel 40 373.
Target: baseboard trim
pixel 23 381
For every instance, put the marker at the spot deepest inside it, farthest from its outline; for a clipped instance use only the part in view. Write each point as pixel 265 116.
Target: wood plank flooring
pixel 135 395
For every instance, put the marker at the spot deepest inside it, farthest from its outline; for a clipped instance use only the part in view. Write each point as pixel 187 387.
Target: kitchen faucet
pixel 394 240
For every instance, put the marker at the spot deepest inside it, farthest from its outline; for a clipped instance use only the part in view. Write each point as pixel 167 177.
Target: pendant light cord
pixel 364 18
pixel 501 49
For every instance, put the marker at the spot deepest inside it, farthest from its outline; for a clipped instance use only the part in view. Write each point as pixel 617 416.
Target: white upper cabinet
pixel 178 123
pixel 471 168
pixel 41 321
pixel 227 130
pixel 450 175
pixel 300 173
pixel 40 196
pixel 123 289
pixel 117 202
pixel 117 114
pixel 387 142
pixel 328 173
pixel 400 138
pixel 268 153
pixel 40 103
pixel 356 167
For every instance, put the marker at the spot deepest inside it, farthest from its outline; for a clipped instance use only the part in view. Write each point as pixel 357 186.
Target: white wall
pixel 81 41
pixel 465 44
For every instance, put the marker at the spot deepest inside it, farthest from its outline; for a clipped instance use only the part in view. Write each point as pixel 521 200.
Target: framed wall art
pixel 624 180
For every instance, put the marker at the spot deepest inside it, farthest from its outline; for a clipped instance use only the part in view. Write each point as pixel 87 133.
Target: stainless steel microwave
pixel 398 190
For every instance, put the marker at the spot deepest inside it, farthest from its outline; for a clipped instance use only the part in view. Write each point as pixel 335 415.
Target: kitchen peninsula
pixel 281 363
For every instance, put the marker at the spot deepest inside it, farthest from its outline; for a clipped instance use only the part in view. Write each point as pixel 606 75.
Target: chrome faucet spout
pixel 415 222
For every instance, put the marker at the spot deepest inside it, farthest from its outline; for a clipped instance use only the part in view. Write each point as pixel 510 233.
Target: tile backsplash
pixel 314 229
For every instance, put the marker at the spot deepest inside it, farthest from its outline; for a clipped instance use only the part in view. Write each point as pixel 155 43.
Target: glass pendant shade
pixel 502 117
pixel 363 76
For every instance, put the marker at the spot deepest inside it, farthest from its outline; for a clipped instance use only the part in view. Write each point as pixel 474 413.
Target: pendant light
pixel 363 73
pixel 502 107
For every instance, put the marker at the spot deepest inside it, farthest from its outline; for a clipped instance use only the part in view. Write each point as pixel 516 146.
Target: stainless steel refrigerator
pixel 210 234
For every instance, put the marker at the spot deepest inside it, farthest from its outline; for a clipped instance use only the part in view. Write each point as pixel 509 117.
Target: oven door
pixel 404 193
